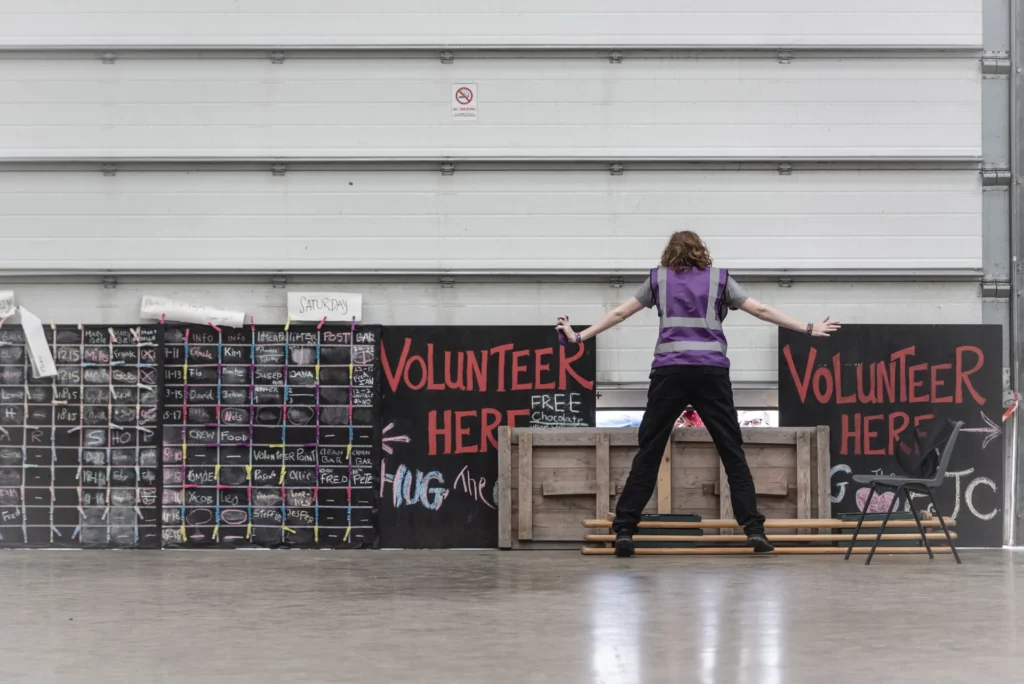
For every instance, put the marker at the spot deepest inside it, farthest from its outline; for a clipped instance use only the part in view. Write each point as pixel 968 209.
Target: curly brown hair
pixel 685 250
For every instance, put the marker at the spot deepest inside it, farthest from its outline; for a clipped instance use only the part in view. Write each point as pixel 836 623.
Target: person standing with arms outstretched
pixel 690 368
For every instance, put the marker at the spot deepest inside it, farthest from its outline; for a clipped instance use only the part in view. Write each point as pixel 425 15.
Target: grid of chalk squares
pixel 268 436
pixel 79 452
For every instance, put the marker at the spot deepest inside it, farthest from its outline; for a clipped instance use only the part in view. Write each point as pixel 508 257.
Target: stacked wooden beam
pixel 828 542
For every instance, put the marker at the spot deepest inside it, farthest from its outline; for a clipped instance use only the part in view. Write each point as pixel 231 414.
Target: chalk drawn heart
pixel 879 502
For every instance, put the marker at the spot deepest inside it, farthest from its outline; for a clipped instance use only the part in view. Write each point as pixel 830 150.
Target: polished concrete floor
pixel 421 617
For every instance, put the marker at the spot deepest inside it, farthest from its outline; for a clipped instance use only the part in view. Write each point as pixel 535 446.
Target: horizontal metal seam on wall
pixel 112 52
pixel 453 164
pixel 614 278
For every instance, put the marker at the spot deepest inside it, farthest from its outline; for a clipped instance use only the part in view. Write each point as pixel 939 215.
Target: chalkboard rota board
pixel 79 452
pixel 872 383
pixel 270 436
pixel 445 392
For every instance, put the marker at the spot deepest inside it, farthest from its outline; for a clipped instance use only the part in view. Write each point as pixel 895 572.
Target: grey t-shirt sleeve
pixel 645 295
pixel 735 295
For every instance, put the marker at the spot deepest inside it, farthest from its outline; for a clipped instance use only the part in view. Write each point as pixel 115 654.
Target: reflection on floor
pixel 221 617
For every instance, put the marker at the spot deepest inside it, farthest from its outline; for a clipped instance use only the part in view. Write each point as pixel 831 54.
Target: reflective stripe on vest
pixel 665 347
pixel 710 320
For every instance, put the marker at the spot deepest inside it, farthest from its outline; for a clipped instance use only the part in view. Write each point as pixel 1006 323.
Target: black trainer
pixel 624 547
pixel 760 543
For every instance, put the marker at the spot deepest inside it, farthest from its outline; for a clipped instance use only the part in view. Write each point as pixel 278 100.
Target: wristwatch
pixel 810 328
pixel 578 338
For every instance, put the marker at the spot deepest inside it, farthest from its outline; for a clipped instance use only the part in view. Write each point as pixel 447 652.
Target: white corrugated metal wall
pixel 811 141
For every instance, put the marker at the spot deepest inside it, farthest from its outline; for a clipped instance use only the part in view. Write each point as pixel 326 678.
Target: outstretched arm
pixel 609 320
pixel 766 313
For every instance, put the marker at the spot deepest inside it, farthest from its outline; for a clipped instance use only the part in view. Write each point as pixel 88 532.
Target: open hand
pixel 825 327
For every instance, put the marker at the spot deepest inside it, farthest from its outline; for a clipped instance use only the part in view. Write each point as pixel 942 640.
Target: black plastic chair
pixel 910 484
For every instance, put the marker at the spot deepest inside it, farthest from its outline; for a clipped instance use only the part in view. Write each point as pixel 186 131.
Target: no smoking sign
pixel 464 102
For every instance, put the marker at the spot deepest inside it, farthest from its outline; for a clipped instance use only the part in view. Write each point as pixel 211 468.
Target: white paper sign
pixel 6 303
pixel 464 102
pixel 157 307
pixel 38 347
pixel 314 306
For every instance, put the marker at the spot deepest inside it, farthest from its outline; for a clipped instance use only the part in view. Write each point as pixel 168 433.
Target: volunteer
pixel 690 368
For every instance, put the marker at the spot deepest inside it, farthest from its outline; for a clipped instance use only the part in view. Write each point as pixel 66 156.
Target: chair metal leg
pixel 863 514
pixel 920 527
pixel 885 521
pixel 949 540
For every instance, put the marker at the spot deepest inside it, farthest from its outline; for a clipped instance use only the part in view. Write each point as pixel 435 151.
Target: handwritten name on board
pixel 6 303
pixel 315 306
pixel 159 307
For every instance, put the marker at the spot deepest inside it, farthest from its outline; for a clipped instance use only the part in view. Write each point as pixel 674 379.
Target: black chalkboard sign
pixel 871 383
pixel 270 436
pixel 446 391
pixel 79 452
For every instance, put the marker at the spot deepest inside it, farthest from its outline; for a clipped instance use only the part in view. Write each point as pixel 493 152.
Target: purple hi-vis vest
pixel 691 305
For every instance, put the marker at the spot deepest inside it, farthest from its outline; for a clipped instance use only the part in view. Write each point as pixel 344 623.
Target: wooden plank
pixel 504 489
pixel 750 435
pixel 726 538
pixel 525 486
pixel 803 476
pixel 693 457
pixel 581 506
pixel 725 495
pixel 765 487
pixel 564 457
pixel 665 481
pixel 559 526
pixel 779 551
pixel 627 437
pixel 771 456
pixel 588 487
pixel 602 464
pixel 775 523
pixel 824 468
pixel 579 437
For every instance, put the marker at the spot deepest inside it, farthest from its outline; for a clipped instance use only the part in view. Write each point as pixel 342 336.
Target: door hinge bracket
pixel 994 288
pixel 995 63
pixel 995 176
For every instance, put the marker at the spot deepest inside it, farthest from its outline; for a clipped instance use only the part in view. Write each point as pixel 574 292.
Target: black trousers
pixel 709 391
